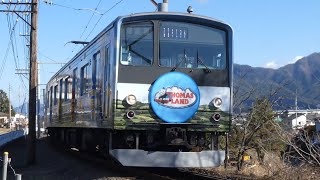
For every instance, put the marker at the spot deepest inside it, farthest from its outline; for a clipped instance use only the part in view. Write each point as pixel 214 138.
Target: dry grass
pixel 263 172
pixel 272 168
pixel 4 130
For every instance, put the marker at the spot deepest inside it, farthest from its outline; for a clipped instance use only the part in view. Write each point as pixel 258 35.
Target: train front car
pixel 173 90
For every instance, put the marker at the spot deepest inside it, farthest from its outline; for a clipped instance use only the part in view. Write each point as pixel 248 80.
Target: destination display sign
pixel 174 33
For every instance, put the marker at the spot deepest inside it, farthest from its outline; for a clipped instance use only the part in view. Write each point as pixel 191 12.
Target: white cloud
pixel 295 59
pixel 272 65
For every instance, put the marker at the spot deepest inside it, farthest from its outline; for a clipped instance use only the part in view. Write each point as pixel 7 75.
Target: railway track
pixel 97 159
pixel 191 174
pixel 53 157
pixel 150 173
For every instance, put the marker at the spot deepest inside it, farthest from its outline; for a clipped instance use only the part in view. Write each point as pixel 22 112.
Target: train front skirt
pixel 141 158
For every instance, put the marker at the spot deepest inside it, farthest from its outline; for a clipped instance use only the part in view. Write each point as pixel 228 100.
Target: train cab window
pixel 187 45
pixel 84 79
pixel 55 95
pixel 137 44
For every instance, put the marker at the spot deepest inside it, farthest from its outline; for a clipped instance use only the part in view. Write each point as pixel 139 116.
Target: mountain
pixel 302 77
pixel 23 109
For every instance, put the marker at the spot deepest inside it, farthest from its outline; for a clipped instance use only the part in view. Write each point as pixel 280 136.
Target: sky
pixel 268 34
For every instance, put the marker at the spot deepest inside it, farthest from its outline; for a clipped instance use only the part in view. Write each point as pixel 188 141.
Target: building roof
pixel 3 114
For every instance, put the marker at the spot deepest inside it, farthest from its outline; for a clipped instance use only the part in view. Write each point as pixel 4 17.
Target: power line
pixel 102 16
pixel 41 53
pixel 98 22
pixel 90 20
pixel 8 48
pixel 76 9
pixel 12 26
pixel 86 27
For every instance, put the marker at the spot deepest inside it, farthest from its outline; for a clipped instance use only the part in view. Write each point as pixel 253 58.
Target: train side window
pixel 50 97
pixel 48 100
pixel 67 89
pixel 108 61
pixel 74 83
pixel 84 79
pixel 61 92
pixel 96 58
pixel 55 94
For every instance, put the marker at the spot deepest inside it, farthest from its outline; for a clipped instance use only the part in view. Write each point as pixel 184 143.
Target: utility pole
pixel 33 78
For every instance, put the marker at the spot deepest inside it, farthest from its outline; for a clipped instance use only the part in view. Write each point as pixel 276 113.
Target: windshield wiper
pixel 140 55
pixel 183 60
pixel 207 70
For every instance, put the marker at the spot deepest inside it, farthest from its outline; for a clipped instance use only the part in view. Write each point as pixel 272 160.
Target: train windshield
pixel 186 45
pixel 137 44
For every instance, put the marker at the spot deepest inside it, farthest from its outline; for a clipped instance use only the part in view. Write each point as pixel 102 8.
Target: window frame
pixel 197 59
pixel 55 93
pixel 67 89
pixel 153 44
pixel 96 58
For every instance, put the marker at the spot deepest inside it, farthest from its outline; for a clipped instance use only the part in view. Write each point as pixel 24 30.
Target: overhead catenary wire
pixel 5 59
pixel 42 54
pixel 90 20
pixel 102 16
pixel 117 3
pixel 9 44
pixel 86 27
pixel 15 44
pixel 68 7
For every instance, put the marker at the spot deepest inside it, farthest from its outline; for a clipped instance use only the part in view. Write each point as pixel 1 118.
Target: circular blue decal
pixel 174 97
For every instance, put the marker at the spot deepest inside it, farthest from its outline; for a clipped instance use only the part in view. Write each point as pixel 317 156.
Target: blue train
pixel 150 90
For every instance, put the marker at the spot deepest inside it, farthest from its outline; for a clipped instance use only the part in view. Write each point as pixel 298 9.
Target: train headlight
pixel 217 102
pixel 131 99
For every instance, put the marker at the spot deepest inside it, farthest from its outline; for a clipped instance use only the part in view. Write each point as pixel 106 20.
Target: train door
pixel 97 77
pixel 107 87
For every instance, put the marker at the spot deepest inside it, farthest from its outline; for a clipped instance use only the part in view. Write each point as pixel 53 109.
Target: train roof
pixel 174 14
pixel 147 15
